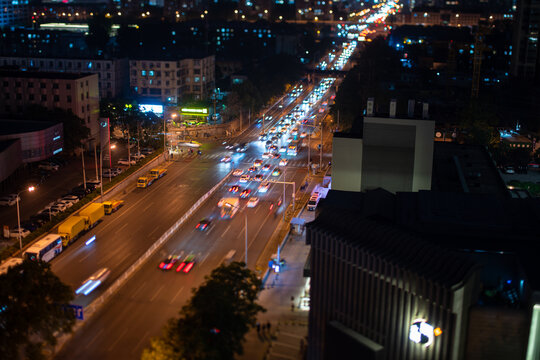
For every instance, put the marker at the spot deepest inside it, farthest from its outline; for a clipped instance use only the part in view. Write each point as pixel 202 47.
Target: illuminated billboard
pixel 156 109
pixel 195 111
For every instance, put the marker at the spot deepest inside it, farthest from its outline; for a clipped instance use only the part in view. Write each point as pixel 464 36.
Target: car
pixel 226 159
pixel 241 148
pixel 65 203
pixel 9 200
pixel 509 170
pixel 59 207
pixel 276 155
pixel 294 132
pixel 138 156
pixel 266 167
pixel 303 134
pixel 244 178
pixel 276 172
pixel 234 189
pixel 169 262
pixel 258 177
pixel 238 172
pixel 221 202
pixel 253 202
pixel 257 163
pixel 266 155
pixel 283 149
pixel 245 193
pixel 273 148
pixel 264 186
pixel 203 224
pixel 48 166
pixel 252 169
pixel 126 162
pixel 14 233
pixel 147 151
pixel 109 173
pixel 229 146
pixel 187 264
pixel 48 211
pixel 283 162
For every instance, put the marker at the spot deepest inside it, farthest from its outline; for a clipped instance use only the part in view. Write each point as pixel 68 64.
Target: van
pixel 312 203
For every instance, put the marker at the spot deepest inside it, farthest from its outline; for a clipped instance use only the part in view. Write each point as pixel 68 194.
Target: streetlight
pixel 30 189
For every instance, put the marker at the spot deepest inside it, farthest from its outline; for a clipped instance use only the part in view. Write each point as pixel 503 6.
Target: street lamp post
pixel 30 189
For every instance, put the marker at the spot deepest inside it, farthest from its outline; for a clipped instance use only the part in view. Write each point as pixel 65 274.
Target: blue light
pixel 508 281
pixel 91 240
pixel 57 151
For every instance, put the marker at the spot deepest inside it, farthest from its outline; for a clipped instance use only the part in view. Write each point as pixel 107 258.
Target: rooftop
pixel 9 127
pixel 42 75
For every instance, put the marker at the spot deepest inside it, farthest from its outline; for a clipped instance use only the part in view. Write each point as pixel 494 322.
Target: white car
pixel 66 203
pixel 282 149
pixel 238 172
pixel 71 198
pixel 264 187
pixel 283 162
pixel 126 162
pixel 9 200
pixel 226 159
pixel 138 156
pixel 244 178
pixel 14 233
pixel 266 155
pixel 252 202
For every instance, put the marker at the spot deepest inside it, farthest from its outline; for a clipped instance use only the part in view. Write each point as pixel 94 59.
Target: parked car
pixel 126 162
pixel 66 203
pixel 14 233
pixel 71 198
pixel 138 156
pixel 48 166
pixel 9 200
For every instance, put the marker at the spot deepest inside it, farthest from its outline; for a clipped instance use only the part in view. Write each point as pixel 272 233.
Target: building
pixel 423 275
pixel 393 153
pixel 171 81
pixel 74 92
pixel 446 17
pixel 525 54
pixel 112 73
pixel 13 12
pixel 37 140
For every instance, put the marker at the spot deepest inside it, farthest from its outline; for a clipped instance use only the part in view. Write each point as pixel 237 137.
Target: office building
pixel 13 12
pixel 525 52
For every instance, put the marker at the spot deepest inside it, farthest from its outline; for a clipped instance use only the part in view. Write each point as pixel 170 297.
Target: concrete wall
pixel 347 163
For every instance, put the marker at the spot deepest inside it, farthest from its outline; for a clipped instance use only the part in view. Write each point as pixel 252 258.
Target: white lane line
pixel 133 296
pixel 117 340
pixel 156 293
pixel 94 338
pixel 140 342
pixel 148 206
pixel 86 256
pixel 177 293
pixel 121 227
pixel 205 256
pixel 227 229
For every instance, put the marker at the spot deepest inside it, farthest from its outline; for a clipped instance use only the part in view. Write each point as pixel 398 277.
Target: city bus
pixel 294 147
pixel 45 249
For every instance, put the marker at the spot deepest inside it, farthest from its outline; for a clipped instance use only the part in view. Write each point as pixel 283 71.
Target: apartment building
pixel 170 81
pixel 112 74
pixel 73 92
pixel 13 12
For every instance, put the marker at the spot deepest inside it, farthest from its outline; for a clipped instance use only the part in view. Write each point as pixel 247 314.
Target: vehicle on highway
pixel 169 262
pixel 245 193
pixel 203 224
pixel 257 163
pixel 157 173
pixel 187 264
pixel 252 169
pixel 266 155
pixel 126 162
pixel 264 187
pixel 283 149
pixel 93 281
pixel 226 159
pixel 144 181
pixel 276 155
pixel 229 207
pixel 238 172
pixel 266 167
pixel 9 200
pixel 273 148
pixel 112 205
pixel 276 172
pixel 283 162
pixel 241 148
pixel 234 189
pixel 303 134
pixel 258 177
pixel 14 233
pixel 252 202
pixel 45 249
pixel 244 178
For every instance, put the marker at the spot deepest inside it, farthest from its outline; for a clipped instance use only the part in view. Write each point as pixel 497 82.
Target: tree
pixel 31 314
pixel 212 325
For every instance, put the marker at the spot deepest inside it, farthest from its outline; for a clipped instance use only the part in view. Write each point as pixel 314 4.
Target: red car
pixel 169 262
pixel 186 265
pixel 234 189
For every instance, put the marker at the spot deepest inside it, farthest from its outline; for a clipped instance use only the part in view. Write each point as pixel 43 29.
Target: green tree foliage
pixel 75 130
pixel 31 315
pixel 212 325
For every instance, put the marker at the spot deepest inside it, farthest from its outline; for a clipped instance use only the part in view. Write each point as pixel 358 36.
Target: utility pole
pixel 246 240
pixel 320 161
pixel 83 171
pixel 129 150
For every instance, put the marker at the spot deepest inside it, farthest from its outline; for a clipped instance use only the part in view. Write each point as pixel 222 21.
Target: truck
pixel 157 173
pixel 229 207
pixel 92 214
pixel 71 228
pixel 112 205
pixel 144 181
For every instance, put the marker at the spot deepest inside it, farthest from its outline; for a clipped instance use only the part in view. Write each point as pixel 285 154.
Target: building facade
pixel 170 81
pixel 525 54
pixel 13 12
pixel 112 73
pixel 76 93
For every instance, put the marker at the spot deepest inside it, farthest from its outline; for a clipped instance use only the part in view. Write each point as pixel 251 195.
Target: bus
pixel 294 147
pixel 45 249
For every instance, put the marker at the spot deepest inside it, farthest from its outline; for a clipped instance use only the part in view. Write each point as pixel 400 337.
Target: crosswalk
pixel 244 161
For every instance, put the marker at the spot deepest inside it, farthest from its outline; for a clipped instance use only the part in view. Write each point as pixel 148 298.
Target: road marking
pixel 227 229
pixel 153 231
pixel 148 206
pixel 156 293
pixel 177 293
pixel 140 341
pixel 203 259
pixel 86 256
pixel 133 296
pixel 94 338
pixel 117 340
pixel 121 227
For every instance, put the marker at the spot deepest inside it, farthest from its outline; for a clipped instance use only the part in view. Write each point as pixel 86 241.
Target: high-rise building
pixel 525 52
pixel 13 12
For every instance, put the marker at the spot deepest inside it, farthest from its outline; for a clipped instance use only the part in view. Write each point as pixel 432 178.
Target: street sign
pixel 77 311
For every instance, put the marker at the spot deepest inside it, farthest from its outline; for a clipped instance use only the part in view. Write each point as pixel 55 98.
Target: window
pixel 69 65
pixel 81 85
pixel 6 84
pixel 196 71
pixel 151 73
pixel 82 96
pixel 18 84
pixel 87 107
pixel 86 82
pixel 87 94
pixel 167 82
pixel 82 109
pixel 69 98
pixel 31 97
pixel 6 96
pixel 56 98
pixel 143 72
pixel 30 84
pixel 55 86
pixel 43 97
pixel 109 94
pixel 166 65
pixel 108 66
pixel 196 79
pixel 68 86
pixel 108 75
pixel 18 96
pixel 99 66
pixel 108 85
pixel 42 85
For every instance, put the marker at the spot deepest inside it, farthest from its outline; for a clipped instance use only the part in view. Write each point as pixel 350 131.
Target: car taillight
pixel 188 267
pixel 197 226
pixel 180 266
